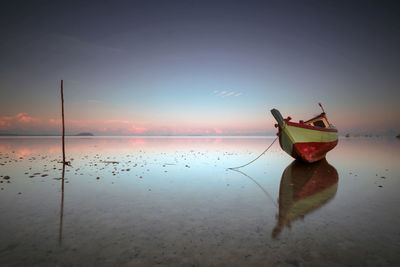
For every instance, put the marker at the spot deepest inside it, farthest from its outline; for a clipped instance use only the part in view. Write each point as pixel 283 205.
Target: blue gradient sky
pixel 152 67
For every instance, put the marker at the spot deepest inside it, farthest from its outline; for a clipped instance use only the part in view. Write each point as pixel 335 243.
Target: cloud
pixel 21 120
pixel 218 131
pixel 23 123
pixel 122 127
pixel 226 93
pixel 24 118
pixel 135 130
pixel 223 92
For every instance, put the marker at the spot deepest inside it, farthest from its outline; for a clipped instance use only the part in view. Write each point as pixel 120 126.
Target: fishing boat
pixel 304 188
pixel 309 140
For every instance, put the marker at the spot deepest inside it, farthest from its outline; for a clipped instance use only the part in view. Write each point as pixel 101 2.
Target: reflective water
pixel 172 202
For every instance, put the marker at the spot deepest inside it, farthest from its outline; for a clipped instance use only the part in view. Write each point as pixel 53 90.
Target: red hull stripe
pixel 316 128
pixel 312 151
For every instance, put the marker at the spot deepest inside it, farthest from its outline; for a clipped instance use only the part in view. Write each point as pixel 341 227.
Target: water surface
pixel 133 201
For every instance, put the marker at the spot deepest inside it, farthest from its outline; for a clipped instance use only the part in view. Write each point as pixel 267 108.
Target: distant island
pixel 7 134
pixel 84 134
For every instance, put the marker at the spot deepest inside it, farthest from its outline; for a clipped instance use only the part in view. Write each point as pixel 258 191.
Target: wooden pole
pixel 63 169
pixel 63 127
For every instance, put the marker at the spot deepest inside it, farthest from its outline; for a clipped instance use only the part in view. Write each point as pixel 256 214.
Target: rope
pixel 255 158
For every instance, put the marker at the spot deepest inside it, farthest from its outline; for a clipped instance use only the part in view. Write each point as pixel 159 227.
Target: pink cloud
pixel 135 130
pixel 19 115
pixel 19 121
pixel 55 121
pixel 23 123
pixel 218 131
pixel 24 118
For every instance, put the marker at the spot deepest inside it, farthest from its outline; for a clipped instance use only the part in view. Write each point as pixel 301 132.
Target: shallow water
pixel 131 201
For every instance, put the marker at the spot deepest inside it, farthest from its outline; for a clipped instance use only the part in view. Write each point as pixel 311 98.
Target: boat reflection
pixel 304 188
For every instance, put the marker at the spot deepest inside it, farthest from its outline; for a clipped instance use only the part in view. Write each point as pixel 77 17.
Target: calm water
pixel 172 202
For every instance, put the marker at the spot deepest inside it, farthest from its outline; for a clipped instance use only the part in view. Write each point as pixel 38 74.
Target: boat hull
pixel 312 151
pixel 306 143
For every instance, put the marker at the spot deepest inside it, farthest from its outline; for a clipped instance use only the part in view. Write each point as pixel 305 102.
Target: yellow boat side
pixel 304 135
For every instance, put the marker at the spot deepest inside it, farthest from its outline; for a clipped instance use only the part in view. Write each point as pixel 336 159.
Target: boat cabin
pixel 319 121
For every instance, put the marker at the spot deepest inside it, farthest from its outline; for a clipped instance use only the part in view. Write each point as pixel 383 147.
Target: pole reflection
pixel 61 206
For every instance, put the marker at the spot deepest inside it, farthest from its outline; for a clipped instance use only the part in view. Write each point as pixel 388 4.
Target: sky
pixel 198 67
